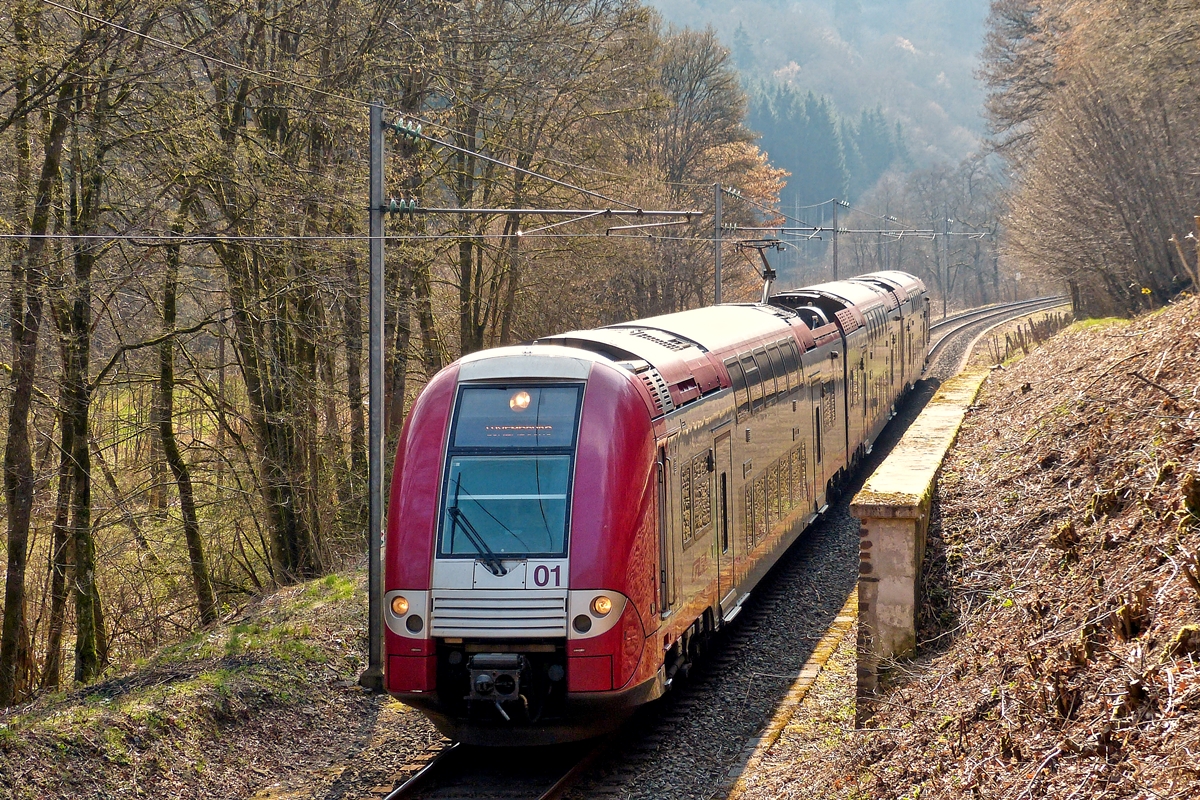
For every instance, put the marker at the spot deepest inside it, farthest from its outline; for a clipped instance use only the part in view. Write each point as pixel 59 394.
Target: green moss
pixel 113 745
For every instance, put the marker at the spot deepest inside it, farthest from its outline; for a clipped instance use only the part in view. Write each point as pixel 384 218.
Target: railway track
pixel 458 772
pixel 951 339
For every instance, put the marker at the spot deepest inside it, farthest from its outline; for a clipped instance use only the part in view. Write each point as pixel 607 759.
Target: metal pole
pixel 945 266
pixel 372 679
pixel 717 238
pixel 835 240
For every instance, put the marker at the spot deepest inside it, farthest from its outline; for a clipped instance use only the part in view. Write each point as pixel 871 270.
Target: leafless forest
pixel 183 213
pixel 1096 109
pixel 184 209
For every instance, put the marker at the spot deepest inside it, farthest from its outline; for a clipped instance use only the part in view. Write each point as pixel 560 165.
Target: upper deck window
pixel 754 380
pixel 741 392
pixel 781 382
pixel 517 417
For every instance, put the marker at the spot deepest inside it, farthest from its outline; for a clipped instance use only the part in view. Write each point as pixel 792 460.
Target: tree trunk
pixel 353 324
pixel 59 565
pixel 431 350
pixel 466 295
pixel 87 178
pixel 206 601
pixel 294 550
pixel 397 384
pixel 512 278
pixel 26 318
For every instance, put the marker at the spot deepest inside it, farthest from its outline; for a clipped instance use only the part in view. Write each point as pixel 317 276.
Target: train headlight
pixel 399 605
pixel 601 606
pixel 519 401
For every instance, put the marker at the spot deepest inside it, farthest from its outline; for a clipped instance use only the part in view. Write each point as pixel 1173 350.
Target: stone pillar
pixel 891 549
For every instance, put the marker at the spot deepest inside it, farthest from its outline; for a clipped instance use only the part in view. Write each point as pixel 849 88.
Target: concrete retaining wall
pixel 893 509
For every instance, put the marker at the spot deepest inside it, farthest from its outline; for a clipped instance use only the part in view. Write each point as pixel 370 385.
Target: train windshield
pixel 508 472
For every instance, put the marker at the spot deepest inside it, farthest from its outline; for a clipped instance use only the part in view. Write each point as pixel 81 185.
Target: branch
pixel 1148 382
pixel 125 348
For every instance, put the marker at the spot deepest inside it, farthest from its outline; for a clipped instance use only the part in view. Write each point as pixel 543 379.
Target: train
pixel 571 519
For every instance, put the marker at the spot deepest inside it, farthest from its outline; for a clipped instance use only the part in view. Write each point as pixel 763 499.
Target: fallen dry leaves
pixel 1062 591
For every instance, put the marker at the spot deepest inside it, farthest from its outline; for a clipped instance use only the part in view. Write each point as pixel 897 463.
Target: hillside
pixel 266 700
pixel 1059 630
pixel 916 59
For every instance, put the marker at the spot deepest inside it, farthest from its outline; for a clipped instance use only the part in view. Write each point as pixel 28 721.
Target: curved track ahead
pixel 952 337
pixel 685 745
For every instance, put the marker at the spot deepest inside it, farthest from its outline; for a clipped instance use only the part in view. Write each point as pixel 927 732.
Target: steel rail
pixel 987 310
pixel 577 771
pixel 449 756
pixel 425 773
pixel 972 318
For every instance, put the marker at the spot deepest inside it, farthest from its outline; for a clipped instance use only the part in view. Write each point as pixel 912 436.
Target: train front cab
pixel 520 601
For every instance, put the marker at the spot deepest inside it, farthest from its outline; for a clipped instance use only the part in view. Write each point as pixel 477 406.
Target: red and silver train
pixel 571 517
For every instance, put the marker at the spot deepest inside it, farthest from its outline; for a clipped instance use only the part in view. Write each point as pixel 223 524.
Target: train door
pixel 817 388
pixel 893 391
pixel 725 543
pixel 666 526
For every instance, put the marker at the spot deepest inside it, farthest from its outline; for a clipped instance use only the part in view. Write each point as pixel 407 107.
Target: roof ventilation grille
pixel 661 339
pixel 847 319
pixel 658 390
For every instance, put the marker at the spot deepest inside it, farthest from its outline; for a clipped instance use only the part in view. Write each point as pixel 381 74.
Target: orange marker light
pixel 399 605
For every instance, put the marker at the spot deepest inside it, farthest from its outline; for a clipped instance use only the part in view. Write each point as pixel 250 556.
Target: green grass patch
pixel 1098 322
pixel 331 587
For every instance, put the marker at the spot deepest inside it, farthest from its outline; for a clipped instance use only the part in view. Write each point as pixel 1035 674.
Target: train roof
pixel 680 357
pixel 910 284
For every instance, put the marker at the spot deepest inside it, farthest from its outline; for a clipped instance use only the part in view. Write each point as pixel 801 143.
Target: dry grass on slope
pixel 266 697
pixel 1061 596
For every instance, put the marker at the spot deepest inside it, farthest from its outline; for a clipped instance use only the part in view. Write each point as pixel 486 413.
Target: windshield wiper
pixel 457 517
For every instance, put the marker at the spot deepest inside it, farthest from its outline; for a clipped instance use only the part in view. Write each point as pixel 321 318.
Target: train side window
pixel 685 506
pixel 772 493
pixel 791 361
pixel 740 392
pixel 753 383
pixel 781 384
pixel 701 493
pixel 829 403
pixel 783 492
pixel 749 492
pixel 766 375
pixel 762 521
